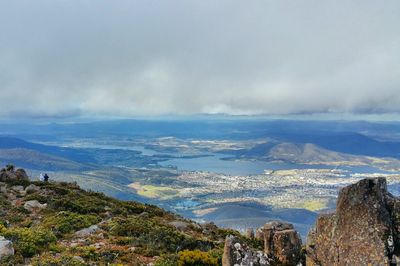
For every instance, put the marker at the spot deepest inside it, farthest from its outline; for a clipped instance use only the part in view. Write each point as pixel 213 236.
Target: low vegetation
pixel 126 233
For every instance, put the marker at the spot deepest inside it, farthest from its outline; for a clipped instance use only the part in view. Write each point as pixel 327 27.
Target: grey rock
pixel 180 225
pixel 17 188
pixel 32 188
pixel 238 253
pixel 6 247
pixel 87 231
pixel 34 205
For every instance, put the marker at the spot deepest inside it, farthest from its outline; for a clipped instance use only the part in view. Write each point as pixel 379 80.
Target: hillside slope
pixel 61 224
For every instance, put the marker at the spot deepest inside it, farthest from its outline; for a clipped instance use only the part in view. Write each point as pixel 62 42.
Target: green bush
pixel 35 196
pixel 66 222
pixel 167 260
pixel 18 182
pixel 152 238
pixel 88 252
pixel 196 258
pixel 56 261
pixel 79 204
pixel 10 167
pixel 29 241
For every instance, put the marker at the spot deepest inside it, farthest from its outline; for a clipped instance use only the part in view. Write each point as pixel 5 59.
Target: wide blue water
pixel 215 163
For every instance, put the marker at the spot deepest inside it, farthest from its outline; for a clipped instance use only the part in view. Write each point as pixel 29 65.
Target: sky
pixel 71 58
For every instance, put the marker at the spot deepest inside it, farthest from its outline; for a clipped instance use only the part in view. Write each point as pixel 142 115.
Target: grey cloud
pixel 185 57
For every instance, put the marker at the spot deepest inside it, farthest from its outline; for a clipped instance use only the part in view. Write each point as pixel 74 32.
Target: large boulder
pixel 238 253
pixel 6 248
pixel 364 230
pixel 32 188
pixel 282 243
pixel 87 231
pixel 34 205
pixel 20 174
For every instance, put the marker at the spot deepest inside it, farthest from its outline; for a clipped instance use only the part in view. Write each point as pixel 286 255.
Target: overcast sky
pixel 73 58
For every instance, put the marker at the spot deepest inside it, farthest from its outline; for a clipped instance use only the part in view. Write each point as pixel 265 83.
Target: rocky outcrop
pixel 9 173
pixel 238 253
pixel 6 247
pixel 259 234
pixel 282 242
pixel 364 230
pixel 249 233
pixel 282 246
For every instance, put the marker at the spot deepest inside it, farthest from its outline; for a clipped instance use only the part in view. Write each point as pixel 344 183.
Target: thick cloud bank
pixel 153 57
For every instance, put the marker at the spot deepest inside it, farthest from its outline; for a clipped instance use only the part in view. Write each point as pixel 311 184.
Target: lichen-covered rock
pixel 364 230
pixel 282 242
pixel 238 253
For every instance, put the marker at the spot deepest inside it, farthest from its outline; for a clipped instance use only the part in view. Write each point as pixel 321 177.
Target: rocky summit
pixel 364 229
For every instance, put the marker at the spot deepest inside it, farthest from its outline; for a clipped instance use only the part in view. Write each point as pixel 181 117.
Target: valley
pixel 229 176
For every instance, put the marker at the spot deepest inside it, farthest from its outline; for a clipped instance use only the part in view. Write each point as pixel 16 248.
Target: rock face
pixel 364 230
pixel 250 233
pixel 282 242
pixel 6 247
pixel 237 253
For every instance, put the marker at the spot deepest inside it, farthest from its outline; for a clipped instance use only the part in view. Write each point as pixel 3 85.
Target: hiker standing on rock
pixel 46 178
pixel 41 177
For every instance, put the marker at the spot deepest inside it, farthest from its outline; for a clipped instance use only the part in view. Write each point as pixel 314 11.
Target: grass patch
pixel 314 205
pixel 154 192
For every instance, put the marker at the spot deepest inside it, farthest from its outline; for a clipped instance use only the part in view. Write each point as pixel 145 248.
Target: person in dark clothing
pixel 46 178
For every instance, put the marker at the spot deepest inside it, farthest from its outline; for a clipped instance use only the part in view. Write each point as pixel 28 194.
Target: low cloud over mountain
pixel 63 58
